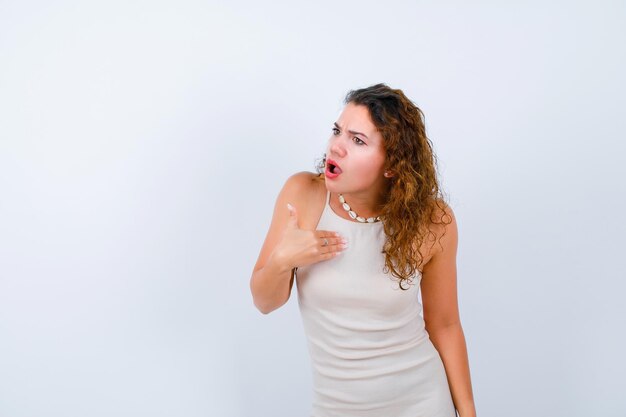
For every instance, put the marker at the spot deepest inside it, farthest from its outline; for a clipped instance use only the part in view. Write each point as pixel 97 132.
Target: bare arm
pixel 441 314
pixel 271 285
pixel 287 246
pixel 272 277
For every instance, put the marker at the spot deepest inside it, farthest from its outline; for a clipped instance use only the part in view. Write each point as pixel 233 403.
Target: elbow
pixel 262 309
pixel 262 302
pixel 261 306
pixel 444 327
pixel 266 308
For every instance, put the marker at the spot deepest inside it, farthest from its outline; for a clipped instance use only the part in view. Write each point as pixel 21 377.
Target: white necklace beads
pixel 353 215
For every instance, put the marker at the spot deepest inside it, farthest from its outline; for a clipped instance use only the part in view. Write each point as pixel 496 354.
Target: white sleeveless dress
pixel 371 355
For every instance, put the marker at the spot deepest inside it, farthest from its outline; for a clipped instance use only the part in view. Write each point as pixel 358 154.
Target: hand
pixel 304 247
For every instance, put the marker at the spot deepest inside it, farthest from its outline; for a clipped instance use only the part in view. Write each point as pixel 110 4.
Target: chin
pixel 334 189
pixel 330 186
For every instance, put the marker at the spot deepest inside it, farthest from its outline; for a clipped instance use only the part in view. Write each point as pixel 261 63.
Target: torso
pixel 314 199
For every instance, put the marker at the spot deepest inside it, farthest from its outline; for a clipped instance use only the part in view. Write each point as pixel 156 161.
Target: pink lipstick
pixel 332 169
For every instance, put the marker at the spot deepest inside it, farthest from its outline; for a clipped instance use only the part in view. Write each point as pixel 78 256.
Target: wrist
pixel 279 263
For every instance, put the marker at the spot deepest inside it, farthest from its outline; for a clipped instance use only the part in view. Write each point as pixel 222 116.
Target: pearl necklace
pixel 353 215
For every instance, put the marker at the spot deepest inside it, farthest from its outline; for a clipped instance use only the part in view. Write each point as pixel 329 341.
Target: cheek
pixel 377 159
pixel 371 165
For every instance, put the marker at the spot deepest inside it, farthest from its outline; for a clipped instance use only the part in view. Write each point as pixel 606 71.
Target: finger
pixel 329 255
pixel 332 245
pixel 326 233
pixel 292 223
pixel 332 241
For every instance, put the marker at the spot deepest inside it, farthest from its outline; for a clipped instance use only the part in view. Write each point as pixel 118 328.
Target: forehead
pixel 357 117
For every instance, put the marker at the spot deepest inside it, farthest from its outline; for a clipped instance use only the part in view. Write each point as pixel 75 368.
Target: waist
pixel 386 377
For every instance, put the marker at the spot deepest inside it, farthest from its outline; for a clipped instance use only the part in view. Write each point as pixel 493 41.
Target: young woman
pixel 362 238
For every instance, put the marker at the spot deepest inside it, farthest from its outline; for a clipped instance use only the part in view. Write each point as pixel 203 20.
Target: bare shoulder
pixel 444 230
pixel 295 191
pixel 304 179
pixel 302 186
pixel 441 234
pixel 310 197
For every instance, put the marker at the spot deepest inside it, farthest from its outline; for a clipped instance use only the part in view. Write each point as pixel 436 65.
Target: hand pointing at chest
pixel 299 247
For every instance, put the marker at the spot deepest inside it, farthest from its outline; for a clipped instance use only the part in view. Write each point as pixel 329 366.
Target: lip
pixel 329 174
pixel 330 161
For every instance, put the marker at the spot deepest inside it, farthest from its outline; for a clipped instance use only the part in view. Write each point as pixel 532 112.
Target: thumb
pixel 292 223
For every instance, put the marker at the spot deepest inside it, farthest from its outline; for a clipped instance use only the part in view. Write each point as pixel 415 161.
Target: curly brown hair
pixel 414 202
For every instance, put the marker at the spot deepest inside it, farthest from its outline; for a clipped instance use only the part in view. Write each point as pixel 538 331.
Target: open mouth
pixel 333 168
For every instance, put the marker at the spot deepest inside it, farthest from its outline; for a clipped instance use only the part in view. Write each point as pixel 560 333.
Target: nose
pixel 337 147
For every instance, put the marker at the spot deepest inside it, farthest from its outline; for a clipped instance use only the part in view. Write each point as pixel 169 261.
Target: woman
pixel 365 236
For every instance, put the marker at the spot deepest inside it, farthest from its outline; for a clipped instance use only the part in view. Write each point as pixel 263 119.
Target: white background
pixel 143 144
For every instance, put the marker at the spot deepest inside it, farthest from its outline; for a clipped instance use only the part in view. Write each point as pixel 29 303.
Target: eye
pixel 362 143
pixel 335 131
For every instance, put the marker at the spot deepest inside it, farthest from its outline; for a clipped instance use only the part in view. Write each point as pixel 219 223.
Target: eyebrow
pixel 352 131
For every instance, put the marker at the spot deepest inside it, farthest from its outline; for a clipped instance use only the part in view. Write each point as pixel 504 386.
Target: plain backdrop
pixel 143 144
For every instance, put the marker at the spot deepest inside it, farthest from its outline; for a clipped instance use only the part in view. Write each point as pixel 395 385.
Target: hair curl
pixel 414 199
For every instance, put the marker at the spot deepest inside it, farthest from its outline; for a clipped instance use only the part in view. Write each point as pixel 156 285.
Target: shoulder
pixel 307 191
pixel 301 184
pixel 444 228
pixel 295 191
pixel 307 178
pixel 303 178
pixel 440 234
pixel 304 186
pixel 443 213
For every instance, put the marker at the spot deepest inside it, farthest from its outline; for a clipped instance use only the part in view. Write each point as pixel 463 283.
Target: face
pixel 357 147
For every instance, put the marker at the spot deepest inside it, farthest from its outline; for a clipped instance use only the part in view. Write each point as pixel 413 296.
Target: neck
pixel 364 206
